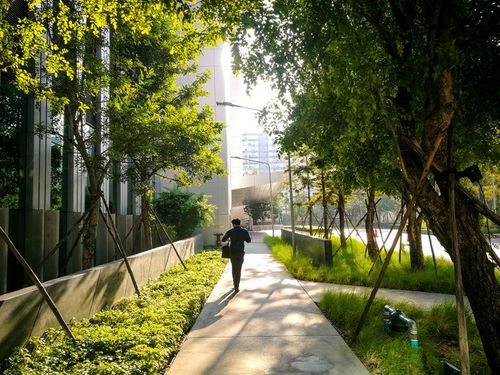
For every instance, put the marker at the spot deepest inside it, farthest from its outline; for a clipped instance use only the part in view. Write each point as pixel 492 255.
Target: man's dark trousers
pixel 236 264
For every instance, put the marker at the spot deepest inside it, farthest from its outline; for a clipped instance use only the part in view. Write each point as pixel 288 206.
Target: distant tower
pixel 260 146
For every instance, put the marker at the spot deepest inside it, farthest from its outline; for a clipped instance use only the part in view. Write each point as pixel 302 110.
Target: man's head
pixel 236 222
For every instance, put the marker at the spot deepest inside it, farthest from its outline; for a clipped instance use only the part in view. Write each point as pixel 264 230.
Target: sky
pixel 257 98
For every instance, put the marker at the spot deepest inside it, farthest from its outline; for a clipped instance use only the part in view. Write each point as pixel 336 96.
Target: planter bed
pixel 139 335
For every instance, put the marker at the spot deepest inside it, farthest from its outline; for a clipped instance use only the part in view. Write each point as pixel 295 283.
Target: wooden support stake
pixel 64 239
pixel 383 245
pixel 116 239
pixel 411 206
pixel 355 226
pixel 349 236
pixel 432 247
pixel 168 236
pixel 379 229
pixel 37 282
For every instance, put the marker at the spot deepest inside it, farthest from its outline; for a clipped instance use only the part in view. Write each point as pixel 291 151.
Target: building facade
pixel 44 186
pixel 260 146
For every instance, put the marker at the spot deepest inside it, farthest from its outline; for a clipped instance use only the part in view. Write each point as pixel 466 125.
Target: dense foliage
pixel 109 74
pixel 139 335
pixel 402 84
pixel 183 211
pixel 258 211
pixel 384 354
pixel 351 266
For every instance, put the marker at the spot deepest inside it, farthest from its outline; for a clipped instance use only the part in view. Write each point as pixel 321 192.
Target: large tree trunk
pixel 414 236
pixel 478 273
pixel 341 204
pixel 438 98
pixel 371 244
pixel 415 240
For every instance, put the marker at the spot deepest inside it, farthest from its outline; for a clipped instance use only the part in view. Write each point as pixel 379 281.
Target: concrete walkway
pixel 424 300
pixel 270 327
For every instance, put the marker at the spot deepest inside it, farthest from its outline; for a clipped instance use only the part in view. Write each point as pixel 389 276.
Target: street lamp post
pixel 270 185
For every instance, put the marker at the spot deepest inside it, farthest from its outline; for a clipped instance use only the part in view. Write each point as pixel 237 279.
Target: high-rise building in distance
pixel 260 146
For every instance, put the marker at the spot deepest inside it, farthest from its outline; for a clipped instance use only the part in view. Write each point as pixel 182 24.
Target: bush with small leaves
pixel 139 335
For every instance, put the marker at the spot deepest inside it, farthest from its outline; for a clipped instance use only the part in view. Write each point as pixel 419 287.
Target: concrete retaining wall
pixel 24 313
pixel 319 249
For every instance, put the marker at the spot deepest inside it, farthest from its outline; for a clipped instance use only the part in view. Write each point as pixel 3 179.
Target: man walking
pixel 238 237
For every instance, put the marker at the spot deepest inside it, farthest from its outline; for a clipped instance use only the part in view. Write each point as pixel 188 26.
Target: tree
pixel 11 104
pixel 66 39
pixel 154 122
pixel 429 79
pixel 184 211
pixel 68 43
pixel 258 211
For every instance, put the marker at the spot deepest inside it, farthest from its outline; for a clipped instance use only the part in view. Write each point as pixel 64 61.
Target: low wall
pixel 36 232
pixel 259 227
pixel 319 249
pixel 24 313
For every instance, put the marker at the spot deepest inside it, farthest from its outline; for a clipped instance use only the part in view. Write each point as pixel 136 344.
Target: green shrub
pixel 139 335
pixel 183 211
pixel 384 354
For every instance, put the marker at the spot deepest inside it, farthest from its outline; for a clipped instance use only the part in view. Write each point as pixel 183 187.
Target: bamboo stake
pixel 355 226
pixel 349 236
pixel 388 235
pixel 64 239
pixel 332 225
pixel 411 206
pixel 118 242
pixel 116 239
pixel 432 247
pixel 401 238
pixel 380 229
pixel 75 243
pixel 168 237
pixel 131 228
pixel 38 283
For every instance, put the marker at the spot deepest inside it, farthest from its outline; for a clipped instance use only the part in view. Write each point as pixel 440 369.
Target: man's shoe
pixel 236 290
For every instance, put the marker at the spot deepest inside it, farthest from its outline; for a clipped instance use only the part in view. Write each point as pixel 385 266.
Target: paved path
pixel 270 327
pixel 422 299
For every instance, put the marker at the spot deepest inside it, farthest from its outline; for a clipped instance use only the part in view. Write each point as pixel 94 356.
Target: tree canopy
pixel 417 79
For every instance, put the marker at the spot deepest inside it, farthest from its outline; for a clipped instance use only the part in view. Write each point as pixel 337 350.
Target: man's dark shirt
pixel 238 236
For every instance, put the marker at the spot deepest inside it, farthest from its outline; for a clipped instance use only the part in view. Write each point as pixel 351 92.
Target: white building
pixel 228 192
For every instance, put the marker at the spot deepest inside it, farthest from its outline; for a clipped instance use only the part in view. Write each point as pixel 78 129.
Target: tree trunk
pixel 415 240
pixel 90 230
pixel 310 208
pixel 371 244
pixel 341 204
pixel 439 103
pixel 478 272
pixel 325 204
pixel 146 221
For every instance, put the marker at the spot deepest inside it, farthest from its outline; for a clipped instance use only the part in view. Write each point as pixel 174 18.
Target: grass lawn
pixel 139 335
pixel 351 266
pixel 383 354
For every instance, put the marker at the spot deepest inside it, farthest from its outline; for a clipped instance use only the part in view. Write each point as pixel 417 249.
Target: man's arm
pixel 248 239
pixel 226 236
